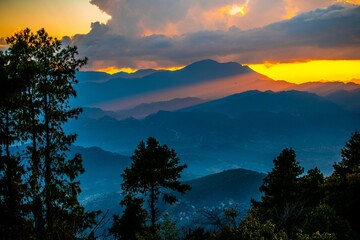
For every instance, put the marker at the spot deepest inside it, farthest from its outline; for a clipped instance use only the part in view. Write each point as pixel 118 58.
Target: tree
pixel 46 71
pixel 312 188
pixel 323 219
pixel 252 229
pixel 154 171
pixel 168 229
pixel 13 224
pixel 281 189
pixel 343 186
pixel 132 222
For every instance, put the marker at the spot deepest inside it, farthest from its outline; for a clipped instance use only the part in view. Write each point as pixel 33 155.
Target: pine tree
pixel 281 188
pixel 131 225
pixel 47 71
pixel 312 188
pixel 154 172
pixel 13 223
pixel 343 186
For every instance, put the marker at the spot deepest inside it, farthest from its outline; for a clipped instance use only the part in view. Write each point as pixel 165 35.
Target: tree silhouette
pixel 343 186
pixel 281 189
pixel 132 222
pixel 154 171
pixel 311 188
pixel 45 72
pixel 12 186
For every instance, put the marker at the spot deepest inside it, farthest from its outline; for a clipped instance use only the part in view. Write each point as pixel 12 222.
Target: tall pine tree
pixel 47 71
pixel 13 223
pixel 343 186
pixel 154 172
pixel 281 188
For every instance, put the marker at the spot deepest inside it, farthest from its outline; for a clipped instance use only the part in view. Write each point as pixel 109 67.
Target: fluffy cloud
pixel 330 33
pixel 146 17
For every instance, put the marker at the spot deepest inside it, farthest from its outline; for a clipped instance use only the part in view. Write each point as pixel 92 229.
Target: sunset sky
pixel 291 40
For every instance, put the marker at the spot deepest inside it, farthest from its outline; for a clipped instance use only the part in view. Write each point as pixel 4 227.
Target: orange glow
pixel 311 71
pixel 59 18
pixel 112 70
pixel 171 68
pixel 239 9
pixel 235 10
pixel 349 1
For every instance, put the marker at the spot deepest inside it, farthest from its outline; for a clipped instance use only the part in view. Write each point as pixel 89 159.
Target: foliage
pixel 312 188
pixel 252 229
pixel 13 223
pixel 315 236
pixel 343 186
pixel 323 219
pixel 168 229
pixel 196 234
pixel 132 222
pixel 38 76
pixel 154 172
pixel 281 189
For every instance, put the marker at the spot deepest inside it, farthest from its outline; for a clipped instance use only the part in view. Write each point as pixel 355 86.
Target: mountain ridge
pixel 230 136
pixel 207 79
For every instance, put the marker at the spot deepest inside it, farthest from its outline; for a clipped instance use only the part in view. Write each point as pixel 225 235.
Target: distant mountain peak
pixel 210 63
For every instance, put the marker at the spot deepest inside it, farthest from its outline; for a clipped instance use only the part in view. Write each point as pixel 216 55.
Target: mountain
pixel 206 79
pixel 97 113
pixel 232 188
pixel 142 110
pixel 325 88
pixel 237 184
pixel 92 76
pixel 146 109
pixel 102 170
pixel 289 102
pixel 245 130
pixel 349 100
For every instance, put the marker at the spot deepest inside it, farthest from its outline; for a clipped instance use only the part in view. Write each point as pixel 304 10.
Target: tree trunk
pixel 37 208
pixel 49 212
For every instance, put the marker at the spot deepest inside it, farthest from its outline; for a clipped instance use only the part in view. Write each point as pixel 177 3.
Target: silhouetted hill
pixel 96 113
pixel 146 109
pixel 193 80
pixel 92 76
pixel 102 170
pixel 206 79
pixel 236 184
pixel 349 100
pixel 289 102
pixel 325 88
pixel 142 110
pixel 138 74
pixel 235 187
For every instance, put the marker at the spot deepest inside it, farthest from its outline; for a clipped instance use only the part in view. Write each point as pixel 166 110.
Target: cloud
pixel 171 17
pixel 325 33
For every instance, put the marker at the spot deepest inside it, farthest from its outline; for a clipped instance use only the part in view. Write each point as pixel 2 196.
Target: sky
pixel 297 41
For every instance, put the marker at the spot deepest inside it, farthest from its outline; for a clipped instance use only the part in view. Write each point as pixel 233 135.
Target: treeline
pixel 294 205
pixel 39 187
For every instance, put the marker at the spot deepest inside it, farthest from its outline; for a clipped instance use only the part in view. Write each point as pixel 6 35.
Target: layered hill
pixel 206 79
pixel 236 184
pixel 243 130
